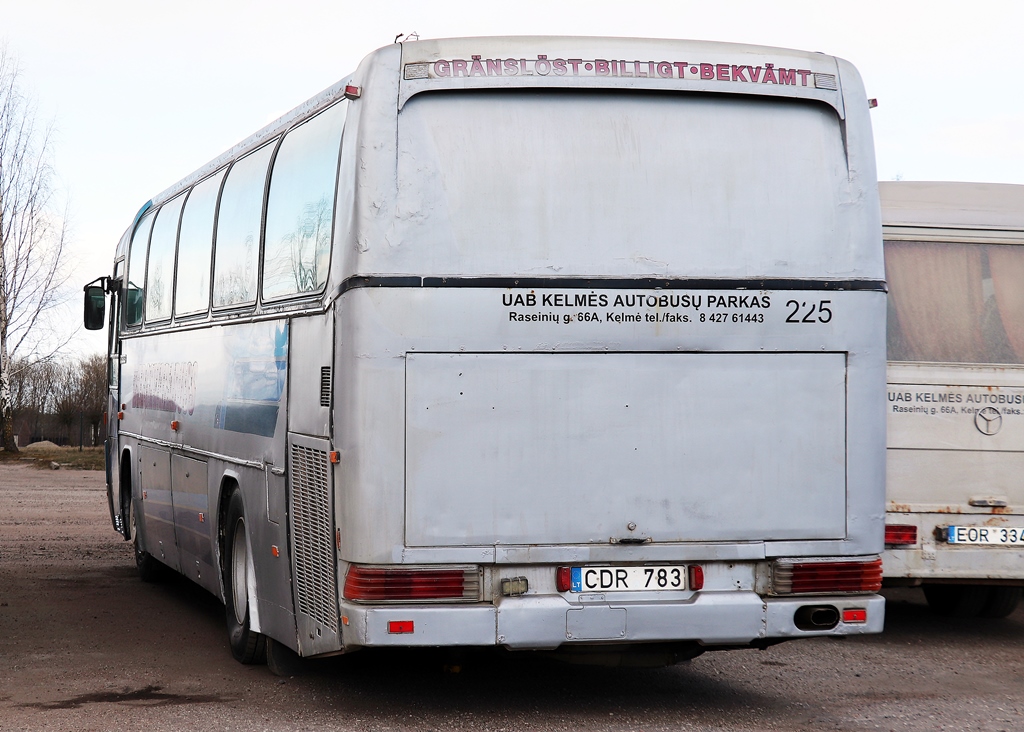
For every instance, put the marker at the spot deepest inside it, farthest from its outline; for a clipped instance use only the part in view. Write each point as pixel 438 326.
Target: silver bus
pixel 540 343
pixel 954 257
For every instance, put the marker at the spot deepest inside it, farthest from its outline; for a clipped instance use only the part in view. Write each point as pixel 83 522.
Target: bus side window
pixel 238 230
pixel 134 292
pixel 300 208
pixel 160 271
pixel 195 248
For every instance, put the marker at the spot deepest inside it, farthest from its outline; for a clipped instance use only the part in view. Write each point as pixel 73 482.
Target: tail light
pixel 796 577
pixel 900 535
pixel 412 584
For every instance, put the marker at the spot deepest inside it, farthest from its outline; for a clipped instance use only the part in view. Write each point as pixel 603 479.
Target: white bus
pixel 954 257
pixel 540 343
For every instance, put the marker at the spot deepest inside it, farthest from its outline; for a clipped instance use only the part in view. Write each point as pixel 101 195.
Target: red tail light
pixel 380 584
pixel 802 578
pixel 900 534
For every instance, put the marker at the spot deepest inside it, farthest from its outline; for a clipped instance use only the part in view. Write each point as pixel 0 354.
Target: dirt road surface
pixel 84 645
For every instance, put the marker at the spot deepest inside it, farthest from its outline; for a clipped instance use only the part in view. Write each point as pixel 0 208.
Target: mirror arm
pixel 103 282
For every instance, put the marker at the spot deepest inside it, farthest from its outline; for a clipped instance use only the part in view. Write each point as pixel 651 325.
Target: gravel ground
pixel 84 645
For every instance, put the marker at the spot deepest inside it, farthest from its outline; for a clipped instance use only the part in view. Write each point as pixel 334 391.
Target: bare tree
pixel 93 396
pixel 66 389
pixel 33 392
pixel 32 237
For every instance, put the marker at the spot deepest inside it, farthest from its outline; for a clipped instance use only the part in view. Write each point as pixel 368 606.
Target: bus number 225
pixel 814 313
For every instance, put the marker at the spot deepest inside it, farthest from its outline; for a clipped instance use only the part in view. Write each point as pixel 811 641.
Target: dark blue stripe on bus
pixel 609 283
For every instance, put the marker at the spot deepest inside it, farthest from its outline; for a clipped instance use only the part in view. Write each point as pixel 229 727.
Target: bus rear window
pixel 624 184
pixel 953 302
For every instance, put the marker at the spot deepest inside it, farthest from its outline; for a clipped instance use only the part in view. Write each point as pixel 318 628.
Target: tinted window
pixel 195 247
pixel 238 230
pixel 300 209
pixel 160 272
pixel 134 289
pixel 955 303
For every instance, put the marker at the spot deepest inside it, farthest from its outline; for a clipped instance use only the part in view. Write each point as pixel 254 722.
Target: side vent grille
pixel 325 386
pixel 316 588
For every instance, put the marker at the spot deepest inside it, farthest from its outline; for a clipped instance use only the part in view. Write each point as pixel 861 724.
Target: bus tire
pixel 247 646
pixel 150 570
pixel 282 660
pixel 1001 602
pixel 957 601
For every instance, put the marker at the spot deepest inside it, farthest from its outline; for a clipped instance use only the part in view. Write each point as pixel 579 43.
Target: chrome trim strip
pixel 259 465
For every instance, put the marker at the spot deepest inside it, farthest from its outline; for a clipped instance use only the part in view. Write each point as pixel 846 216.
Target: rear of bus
pixel 610 348
pixel 955 523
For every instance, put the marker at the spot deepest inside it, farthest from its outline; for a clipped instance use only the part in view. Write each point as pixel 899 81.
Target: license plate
pixel 628 579
pixel 997 535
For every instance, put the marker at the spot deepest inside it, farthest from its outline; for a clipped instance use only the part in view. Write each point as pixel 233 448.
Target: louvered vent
pixel 313 551
pixel 825 81
pixel 325 386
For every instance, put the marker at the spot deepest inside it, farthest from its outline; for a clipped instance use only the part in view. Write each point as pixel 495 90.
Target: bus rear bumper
pixel 720 619
pixel 942 562
pixel 932 559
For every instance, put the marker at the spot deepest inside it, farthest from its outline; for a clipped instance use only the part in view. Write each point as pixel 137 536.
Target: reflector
pixel 696 578
pixel 855 615
pixel 900 534
pixel 563 579
pixel 400 626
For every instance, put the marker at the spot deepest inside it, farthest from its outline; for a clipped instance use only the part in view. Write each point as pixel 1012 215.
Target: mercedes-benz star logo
pixel 988 421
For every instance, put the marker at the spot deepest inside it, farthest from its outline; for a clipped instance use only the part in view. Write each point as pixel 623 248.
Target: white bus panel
pixel 955 265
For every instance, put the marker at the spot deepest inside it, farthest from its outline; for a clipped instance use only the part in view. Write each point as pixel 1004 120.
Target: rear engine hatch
pixel 576 448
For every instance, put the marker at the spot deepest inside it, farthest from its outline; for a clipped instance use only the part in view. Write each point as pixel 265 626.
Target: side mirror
pixel 95 307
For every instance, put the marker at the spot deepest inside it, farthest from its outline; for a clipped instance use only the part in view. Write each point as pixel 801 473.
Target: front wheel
pixel 247 646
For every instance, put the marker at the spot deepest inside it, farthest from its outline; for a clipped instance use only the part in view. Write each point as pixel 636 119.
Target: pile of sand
pixel 41 446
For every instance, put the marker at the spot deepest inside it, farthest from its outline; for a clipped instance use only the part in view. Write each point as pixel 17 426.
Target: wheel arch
pixel 231 483
pixel 126 488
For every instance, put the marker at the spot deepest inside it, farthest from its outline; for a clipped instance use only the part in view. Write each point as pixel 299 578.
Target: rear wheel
pixel 1001 602
pixel 150 570
pixel 247 646
pixel 282 660
pixel 957 601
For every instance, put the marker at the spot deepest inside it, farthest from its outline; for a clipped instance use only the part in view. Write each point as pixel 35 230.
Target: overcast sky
pixel 143 93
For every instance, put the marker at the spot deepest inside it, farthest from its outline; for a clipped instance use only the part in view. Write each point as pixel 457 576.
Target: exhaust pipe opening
pixel 816 617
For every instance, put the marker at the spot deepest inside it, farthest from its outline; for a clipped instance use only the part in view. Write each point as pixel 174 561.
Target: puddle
pixel 150 696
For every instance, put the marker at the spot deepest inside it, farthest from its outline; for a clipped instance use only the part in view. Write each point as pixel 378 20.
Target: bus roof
pixel 998 206
pixel 572 62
